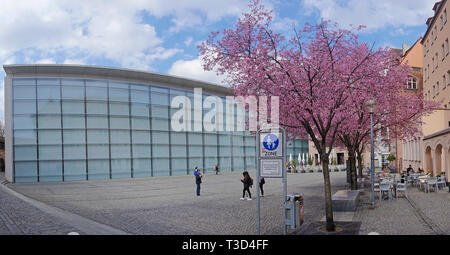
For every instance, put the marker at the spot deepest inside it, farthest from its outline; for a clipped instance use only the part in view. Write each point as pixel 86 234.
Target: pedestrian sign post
pixel 271 155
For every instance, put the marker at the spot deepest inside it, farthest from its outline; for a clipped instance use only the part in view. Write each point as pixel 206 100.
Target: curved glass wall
pixel 83 129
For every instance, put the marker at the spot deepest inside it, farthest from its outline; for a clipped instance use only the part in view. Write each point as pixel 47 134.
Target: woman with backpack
pixel 248 182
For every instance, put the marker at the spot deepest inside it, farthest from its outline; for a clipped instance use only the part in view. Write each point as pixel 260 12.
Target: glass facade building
pixel 71 127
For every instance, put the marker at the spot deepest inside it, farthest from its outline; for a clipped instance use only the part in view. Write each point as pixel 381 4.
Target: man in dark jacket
pixel 198 179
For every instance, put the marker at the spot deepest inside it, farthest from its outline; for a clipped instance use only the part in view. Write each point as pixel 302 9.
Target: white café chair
pixel 401 187
pixel 441 181
pixel 432 182
pixel 386 187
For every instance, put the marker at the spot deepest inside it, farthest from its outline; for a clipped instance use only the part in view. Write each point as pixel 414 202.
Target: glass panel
pixel 195 151
pixel 210 150
pixel 120 136
pixel 140 110
pixel 142 167
pixel 121 168
pixel 96 83
pixel 24 92
pixel 178 137
pixel 140 97
pixel 22 152
pixel 160 137
pixel 75 151
pixel 120 95
pixel 119 122
pixel 159 89
pixel 24 82
pixel 141 151
pixel 238 151
pixel 225 151
pixel 25 171
pixel 70 82
pixel 24 137
pixel 73 93
pixel 195 162
pixel 119 109
pixel 195 138
pixel 159 99
pixel 98 169
pixel 97 121
pixel 120 151
pixel 224 139
pixel 50 171
pixel 120 85
pixel 98 151
pixel 159 124
pixel 71 121
pixel 49 106
pixel 210 139
pixel 141 137
pixel 160 167
pixel 140 87
pixel 97 107
pixel 24 122
pixel 178 150
pixel 49 137
pixel 74 107
pixel 74 170
pixel 74 136
pixel 96 93
pixel 179 165
pixel 160 112
pixel 49 152
pixel 140 123
pixel 49 121
pixel 225 164
pixel 160 151
pixel 98 136
pixel 45 81
pixel 21 107
pixel 48 92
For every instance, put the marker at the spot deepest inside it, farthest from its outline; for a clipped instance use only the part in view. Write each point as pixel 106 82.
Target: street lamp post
pixel 370 105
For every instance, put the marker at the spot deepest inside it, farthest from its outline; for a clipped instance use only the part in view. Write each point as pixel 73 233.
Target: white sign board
pixel 271 145
pixel 271 168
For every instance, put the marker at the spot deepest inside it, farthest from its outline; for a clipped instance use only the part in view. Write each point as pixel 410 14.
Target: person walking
pixel 262 181
pixel 248 182
pixel 216 169
pixel 198 179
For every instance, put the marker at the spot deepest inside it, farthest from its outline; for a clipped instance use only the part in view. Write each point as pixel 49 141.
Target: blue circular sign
pixel 270 142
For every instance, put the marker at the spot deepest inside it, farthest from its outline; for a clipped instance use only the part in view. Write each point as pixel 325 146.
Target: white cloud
pixel 193 69
pixel 374 14
pixel 188 41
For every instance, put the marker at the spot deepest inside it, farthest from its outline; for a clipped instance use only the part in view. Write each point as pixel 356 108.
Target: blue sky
pixel 161 35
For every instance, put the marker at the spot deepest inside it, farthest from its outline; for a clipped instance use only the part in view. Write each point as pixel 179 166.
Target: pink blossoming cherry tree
pixel 319 76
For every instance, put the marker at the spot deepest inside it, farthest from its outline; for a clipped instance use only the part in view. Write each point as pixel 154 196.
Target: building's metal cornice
pixel 89 71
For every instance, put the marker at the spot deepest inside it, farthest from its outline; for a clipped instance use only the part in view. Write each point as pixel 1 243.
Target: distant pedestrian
pixel 198 179
pixel 262 181
pixel 216 168
pixel 409 169
pixel 248 182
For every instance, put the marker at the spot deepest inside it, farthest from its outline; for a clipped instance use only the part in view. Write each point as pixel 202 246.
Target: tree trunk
pixel 360 166
pixel 330 226
pixel 352 161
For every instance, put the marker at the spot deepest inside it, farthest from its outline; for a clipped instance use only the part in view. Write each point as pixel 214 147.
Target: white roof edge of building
pixel 113 72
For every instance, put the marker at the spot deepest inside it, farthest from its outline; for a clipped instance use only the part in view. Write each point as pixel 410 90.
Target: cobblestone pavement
pixel 420 214
pixel 168 205
pixel 17 217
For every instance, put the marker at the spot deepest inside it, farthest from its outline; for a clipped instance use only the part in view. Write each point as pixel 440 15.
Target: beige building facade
pixel 436 74
pixel 408 152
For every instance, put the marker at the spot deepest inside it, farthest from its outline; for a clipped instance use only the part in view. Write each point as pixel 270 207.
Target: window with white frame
pixel 411 83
